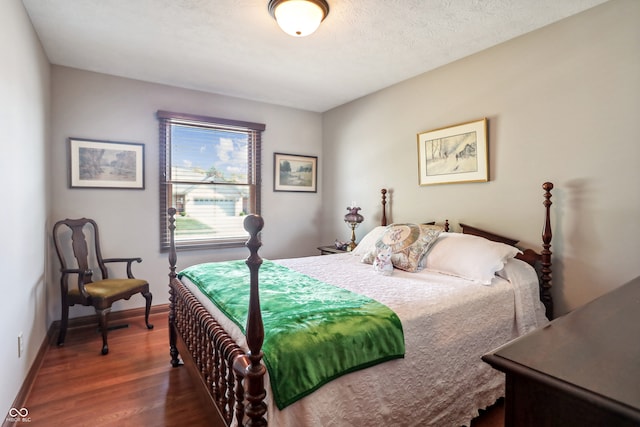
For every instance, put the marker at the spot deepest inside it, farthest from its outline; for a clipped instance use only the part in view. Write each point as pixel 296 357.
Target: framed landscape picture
pixel 454 154
pixel 295 173
pixel 105 164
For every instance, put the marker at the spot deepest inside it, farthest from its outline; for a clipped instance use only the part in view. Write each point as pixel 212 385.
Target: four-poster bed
pixel 229 360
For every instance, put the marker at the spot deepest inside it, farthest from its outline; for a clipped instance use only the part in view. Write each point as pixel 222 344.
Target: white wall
pixel 24 121
pixel 91 105
pixel 563 104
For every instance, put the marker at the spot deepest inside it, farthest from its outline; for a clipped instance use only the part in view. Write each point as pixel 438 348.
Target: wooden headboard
pixel 541 261
pixel 383 220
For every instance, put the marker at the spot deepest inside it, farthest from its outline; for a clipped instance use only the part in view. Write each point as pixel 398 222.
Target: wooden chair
pixel 73 239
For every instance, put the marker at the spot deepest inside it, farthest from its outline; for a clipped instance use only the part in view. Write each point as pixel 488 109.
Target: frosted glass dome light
pixel 298 18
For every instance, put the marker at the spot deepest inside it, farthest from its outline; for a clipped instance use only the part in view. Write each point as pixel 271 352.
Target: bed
pixel 439 379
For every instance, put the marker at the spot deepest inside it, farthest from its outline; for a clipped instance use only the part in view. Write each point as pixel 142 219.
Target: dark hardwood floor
pixel 134 385
pixel 492 417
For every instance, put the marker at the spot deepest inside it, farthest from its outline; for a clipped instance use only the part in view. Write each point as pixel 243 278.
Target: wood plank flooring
pixel 134 385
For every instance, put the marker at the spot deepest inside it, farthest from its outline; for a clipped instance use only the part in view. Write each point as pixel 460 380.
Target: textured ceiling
pixel 234 47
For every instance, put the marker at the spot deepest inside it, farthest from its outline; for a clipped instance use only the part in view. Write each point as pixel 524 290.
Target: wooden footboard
pixel 201 340
pixel 222 366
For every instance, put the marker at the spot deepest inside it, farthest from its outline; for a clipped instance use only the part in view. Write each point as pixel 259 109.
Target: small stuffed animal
pixel 382 263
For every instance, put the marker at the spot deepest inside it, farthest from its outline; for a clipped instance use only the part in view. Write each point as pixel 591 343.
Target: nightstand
pixel 330 250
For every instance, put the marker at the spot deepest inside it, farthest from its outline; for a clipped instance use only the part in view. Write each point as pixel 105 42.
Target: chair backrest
pixel 77 243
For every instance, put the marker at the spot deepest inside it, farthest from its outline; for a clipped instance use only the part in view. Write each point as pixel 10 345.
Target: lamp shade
pixel 353 217
pixel 298 18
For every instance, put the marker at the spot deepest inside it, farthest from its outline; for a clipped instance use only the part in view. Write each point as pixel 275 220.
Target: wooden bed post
pixel 545 290
pixel 254 375
pixel 173 259
pixel 383 221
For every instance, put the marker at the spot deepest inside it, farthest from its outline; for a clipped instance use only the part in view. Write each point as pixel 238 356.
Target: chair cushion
pixel 109 287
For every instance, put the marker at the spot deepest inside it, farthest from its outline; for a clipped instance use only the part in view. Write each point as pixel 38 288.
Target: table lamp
pixel 353 220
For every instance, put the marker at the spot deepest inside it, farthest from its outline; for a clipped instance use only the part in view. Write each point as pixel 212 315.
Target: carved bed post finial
pixel 546 253
pixel 255 392
pixel 173 259
pixel 383 221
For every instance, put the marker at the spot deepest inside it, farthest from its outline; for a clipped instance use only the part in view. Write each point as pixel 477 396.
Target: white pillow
pixel 369 240
pixel 469 257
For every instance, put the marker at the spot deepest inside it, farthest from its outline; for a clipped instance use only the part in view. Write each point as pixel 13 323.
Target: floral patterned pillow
pixel 408 242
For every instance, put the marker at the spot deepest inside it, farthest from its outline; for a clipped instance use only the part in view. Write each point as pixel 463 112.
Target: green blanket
pixel 314 332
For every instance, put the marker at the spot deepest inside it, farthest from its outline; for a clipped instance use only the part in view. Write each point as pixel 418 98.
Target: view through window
pixel 210 173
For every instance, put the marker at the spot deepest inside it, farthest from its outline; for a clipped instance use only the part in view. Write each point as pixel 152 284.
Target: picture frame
pixel 295 173
pixel 454 154
pixel 105 164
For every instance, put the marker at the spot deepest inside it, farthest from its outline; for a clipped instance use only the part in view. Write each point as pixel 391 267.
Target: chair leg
pixel 147 296
pixel 64 321
pixel 104 327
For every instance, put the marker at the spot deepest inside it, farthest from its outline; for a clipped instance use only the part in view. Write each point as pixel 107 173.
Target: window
pixel 209 172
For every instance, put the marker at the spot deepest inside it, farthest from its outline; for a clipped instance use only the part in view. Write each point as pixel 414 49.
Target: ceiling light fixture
pixel 298 18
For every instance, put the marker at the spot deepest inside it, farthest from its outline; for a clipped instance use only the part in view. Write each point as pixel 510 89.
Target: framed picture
pixel 454 154
pixel 105 164
pixel 295 173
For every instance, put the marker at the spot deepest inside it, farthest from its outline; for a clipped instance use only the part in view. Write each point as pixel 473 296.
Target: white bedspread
pixel 448 324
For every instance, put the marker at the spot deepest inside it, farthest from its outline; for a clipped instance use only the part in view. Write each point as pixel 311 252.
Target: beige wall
pixel 92 105
pixel 24 121
pixel 562 104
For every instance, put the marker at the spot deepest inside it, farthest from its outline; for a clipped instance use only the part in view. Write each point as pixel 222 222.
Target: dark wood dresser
pixel 583 369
